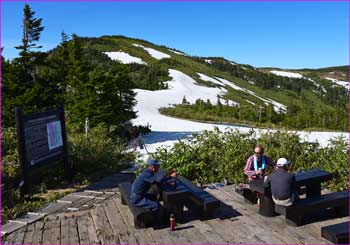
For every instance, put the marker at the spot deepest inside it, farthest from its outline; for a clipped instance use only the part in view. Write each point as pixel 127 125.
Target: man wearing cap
pixel 140 189
pixel 282 184
pixel 256 164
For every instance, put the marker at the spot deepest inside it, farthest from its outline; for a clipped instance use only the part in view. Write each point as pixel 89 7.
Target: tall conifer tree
pixel 32 29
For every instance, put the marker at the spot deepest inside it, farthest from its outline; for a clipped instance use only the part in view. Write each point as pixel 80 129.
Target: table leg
pixel 176 209
pixel 266 206
pixel 313 190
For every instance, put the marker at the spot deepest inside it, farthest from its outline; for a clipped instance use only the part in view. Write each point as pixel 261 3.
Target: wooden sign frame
pixel 42 141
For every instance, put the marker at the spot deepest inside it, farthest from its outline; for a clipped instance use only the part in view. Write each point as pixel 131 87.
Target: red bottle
pixel 172 222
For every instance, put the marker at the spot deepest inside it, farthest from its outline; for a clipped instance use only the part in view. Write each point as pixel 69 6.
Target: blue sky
pixel 274 34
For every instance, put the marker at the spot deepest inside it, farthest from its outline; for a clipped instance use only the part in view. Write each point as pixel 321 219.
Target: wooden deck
pixel 94 215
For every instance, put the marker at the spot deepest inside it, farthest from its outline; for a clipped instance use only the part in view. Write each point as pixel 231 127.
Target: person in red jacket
pixel 257 164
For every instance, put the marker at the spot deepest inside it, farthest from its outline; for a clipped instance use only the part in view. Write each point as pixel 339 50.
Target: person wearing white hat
pixel 282 184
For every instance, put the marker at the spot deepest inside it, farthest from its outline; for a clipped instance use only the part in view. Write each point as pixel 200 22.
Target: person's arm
pixel 270 162
pixel 151 179
pixel 267 182
pixel 168 175
pixel 248 167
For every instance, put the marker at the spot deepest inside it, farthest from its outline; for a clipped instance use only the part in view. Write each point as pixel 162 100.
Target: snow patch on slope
pixel 154 53
pixel 223 82
pixel 317 85
pixel 148 103
pixel 277 106
pixel 287 74
pixel 250 102
pixel 212 80
pixel 124 58
pixel 344 84
pixel 230 84
pixel 208 79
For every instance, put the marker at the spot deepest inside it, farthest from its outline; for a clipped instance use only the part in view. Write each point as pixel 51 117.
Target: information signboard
pixel 42 140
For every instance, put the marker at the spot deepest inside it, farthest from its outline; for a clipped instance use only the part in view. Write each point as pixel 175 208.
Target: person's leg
pixel 147 203
pixel 286 203
pixel 153 192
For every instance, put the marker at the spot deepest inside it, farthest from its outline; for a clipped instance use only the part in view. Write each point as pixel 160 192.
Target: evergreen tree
pixel 32 29
pixel 12 90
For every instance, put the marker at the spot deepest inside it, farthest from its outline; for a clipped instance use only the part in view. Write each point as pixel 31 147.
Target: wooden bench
pixel 199 200
pixel 295 214
pixel 338 233
pixel 143 217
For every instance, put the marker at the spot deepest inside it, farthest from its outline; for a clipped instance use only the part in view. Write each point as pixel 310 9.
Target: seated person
pixel 143 186
pixel 282 184
pixel 256 164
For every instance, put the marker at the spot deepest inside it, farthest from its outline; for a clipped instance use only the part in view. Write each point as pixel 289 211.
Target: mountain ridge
pixel 308 91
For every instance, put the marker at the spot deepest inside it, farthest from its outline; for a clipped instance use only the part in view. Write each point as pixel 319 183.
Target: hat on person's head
pixel 153 161
pixel 282 162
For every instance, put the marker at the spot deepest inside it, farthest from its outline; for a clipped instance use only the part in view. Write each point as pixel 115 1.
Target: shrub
pixel 214 156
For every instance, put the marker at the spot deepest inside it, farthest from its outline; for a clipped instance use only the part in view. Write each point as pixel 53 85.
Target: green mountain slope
pixel 247 85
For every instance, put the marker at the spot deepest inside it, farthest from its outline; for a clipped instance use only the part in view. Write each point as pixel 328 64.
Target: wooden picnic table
pixel 174 197
pixel 310 179
pixel 187 193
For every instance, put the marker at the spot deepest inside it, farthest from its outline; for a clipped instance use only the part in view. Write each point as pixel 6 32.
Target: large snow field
pixel 167 130
pixel 124 58
pixel 148 103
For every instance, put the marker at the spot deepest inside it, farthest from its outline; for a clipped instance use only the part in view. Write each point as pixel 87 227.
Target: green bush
pixel 96 152
pixel 214 156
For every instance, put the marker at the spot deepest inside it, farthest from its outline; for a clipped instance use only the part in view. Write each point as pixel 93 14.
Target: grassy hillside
pixel 312 92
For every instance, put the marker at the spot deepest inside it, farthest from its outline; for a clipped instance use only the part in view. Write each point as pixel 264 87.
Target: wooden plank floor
pixel 110 222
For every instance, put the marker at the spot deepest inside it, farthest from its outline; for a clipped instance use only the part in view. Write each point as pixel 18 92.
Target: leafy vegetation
pixel 214 156
pixel 295 117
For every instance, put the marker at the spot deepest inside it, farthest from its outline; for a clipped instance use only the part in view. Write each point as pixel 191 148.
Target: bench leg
pixel 138 224
pixel 342 240
pixel 176 209
pixel 342 211
pixel 123 200
pixel 295 220
pixel 313 190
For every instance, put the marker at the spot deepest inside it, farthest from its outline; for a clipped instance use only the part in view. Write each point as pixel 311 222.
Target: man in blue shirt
pixel 140 195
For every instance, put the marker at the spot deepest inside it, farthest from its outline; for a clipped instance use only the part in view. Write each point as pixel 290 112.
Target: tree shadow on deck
pixel 108 183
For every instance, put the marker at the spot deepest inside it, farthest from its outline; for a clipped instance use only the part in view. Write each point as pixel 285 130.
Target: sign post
pixel 42 141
